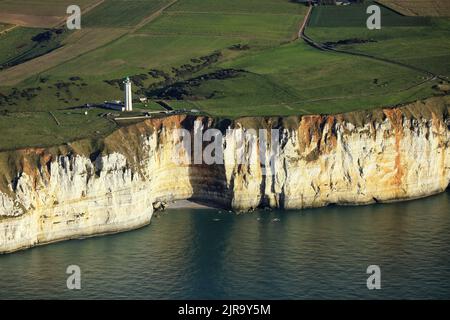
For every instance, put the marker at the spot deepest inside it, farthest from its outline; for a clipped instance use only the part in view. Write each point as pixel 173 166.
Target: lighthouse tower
pixel 128 95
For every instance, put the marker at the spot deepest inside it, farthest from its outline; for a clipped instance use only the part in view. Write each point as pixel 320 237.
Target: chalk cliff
pixel 93 187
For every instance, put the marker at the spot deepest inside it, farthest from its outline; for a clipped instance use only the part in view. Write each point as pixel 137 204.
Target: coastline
pixel 188 204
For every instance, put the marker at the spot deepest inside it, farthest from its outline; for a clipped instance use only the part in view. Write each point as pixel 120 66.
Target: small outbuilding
pixel 114 105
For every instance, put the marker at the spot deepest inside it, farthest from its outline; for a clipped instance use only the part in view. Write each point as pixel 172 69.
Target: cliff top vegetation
pixel 226 59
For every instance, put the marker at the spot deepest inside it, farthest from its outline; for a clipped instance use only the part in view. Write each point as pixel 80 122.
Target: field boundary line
pixel 152 17
pixel 126 31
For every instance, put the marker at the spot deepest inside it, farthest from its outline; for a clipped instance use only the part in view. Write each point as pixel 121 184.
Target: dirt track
pixel 7 30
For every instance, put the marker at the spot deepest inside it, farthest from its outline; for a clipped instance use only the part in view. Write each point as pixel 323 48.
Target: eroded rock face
pixel 91 188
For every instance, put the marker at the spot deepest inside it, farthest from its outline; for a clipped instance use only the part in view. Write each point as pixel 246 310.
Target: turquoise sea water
pixel 205 254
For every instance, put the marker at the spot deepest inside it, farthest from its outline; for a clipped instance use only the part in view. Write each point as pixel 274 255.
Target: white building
pixel 128 95
pixel 119 105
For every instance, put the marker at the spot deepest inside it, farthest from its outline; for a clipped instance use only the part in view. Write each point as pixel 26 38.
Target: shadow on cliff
pixel 208 182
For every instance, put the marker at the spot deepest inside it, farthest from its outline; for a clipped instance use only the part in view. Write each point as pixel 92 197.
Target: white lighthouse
pixel 128 95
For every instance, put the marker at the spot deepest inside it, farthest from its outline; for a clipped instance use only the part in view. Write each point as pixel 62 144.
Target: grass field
pixel 120 13
pixel 129 55
pixel 22 44
pixel 39 127
pixel 291 80
pixel 423 42
pixel 225 58
pixel 282 27
pixel 355 16
pixel 74 45
pixel 166 43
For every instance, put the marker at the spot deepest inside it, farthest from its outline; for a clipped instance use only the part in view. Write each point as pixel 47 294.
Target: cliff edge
pixel 93 187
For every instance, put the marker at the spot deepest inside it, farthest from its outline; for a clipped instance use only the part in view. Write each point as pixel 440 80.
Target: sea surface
pixel 211 254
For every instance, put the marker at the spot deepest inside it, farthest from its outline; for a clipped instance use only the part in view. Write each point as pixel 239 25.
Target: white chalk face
pixel 259 149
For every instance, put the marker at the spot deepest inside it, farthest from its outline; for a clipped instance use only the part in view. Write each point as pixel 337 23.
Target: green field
pixel 22 44
pixel 225 58
pixel 290 80
pixel 36 127
pixel 226 25
pixel 163 44
pixel 422 42
pixel 355 16
pixel 131 55
pixel 120 13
